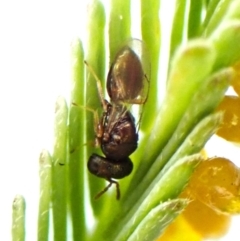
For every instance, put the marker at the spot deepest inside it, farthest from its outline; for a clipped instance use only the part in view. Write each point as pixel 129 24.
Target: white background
pixel 35 38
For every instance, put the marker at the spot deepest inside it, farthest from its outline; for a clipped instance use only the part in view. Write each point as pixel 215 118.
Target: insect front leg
pixel 98 126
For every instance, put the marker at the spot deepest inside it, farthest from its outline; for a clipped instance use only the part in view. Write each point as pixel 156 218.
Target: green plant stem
pixel 203 103
pixel 59 171
pixel 77 74
pixel 194 19
pixel 224 10
pixel 96 59
pixel 178 26
pixel 157 220
pixel 211 8
pixel 77 155
pixel 227 35
pixel 151 36
pixel 200 56
pixel 45 175
pixel 18 219
pixel 119 25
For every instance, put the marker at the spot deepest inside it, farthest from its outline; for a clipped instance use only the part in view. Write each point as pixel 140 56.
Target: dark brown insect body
pixel 108 169
pixel 116 133
pixel 119 139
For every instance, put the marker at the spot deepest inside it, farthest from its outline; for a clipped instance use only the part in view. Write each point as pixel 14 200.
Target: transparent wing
pixel 128 77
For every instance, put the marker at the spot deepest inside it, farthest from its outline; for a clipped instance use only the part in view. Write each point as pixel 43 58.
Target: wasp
pixel 117 133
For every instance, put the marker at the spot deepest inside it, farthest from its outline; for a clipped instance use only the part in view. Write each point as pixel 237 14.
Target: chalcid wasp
pixel 116 132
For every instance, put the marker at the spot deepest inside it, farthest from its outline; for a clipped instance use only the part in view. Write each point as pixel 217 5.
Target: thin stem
pixel 151 36
pixel 119 25
pixel 18 219
pixel 45 175
pixel 59 172
pixel 76 144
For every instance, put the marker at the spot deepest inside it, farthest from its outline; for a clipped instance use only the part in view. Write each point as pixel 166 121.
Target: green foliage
pixel 201 52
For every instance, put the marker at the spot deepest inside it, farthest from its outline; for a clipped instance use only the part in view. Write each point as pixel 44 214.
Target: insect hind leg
pixel 107 187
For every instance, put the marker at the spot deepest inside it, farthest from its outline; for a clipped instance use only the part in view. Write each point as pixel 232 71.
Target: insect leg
pixel 98 128
pixel 99 86
pixel 107 187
